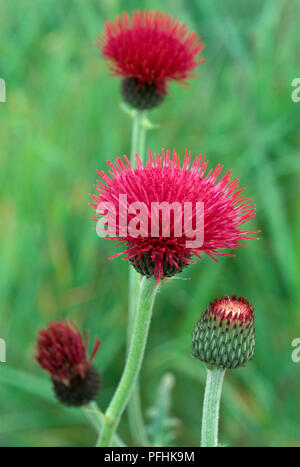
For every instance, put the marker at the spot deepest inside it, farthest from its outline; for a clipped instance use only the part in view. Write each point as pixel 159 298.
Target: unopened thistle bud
pixel 224 337
pixel 62 352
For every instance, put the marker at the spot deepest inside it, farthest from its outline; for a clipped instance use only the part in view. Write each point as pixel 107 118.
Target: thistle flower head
pixel 149 49
pixel 225 335
pixel 164 213
pixel 62 352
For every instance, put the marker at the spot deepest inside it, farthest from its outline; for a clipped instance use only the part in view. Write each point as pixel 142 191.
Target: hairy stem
pixel 135 414
pixel 96 418
pixel 134 360
pixel 138 136
pixel 211 407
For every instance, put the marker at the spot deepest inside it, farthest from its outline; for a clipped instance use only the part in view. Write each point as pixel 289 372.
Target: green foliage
pixel 162 426
pixel 62 121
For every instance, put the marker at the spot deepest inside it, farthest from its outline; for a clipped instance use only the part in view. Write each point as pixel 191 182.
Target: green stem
pixel 211 407
pixel 138 141
pixel 133 364
pixel 138 136
pixel 96 418
pixel 135 415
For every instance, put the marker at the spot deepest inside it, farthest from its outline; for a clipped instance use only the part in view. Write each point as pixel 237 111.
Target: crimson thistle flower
pixel 62 352
pixel 149 49
pixel 157 250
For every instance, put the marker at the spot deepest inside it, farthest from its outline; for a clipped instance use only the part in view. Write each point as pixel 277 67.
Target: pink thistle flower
pixel 149 50
pixel 62 352
pixel 158 247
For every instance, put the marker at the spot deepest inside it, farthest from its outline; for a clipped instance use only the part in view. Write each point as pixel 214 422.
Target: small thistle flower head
pixel 224 337
pixel 62 352
pixel 148 50
pixel 167 212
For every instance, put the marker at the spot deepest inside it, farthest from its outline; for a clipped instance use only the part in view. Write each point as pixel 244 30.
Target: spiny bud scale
pixel 224 336
pixel 141 96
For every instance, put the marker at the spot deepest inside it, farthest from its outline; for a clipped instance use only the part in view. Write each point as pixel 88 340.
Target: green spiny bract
pixel 224 336
pixel 146 266
pixel 140 97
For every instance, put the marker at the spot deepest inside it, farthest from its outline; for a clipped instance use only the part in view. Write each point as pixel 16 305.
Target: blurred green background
pixel 61 122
